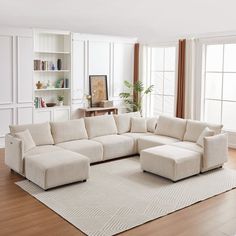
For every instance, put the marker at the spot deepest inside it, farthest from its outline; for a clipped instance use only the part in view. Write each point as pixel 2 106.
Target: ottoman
pixel 170 162
pixel 53 169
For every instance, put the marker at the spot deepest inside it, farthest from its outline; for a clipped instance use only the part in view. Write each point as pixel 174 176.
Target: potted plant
pixel 60 99
pixel 134 94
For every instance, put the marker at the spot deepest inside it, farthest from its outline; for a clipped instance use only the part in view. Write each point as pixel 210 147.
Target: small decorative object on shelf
pixel 39 102
pixel 59 64
pixel 37 64
pixel 106 103
pixel 39 85
pixel 88 98
pixel 51 104
pixel 60 99
pixel 53 67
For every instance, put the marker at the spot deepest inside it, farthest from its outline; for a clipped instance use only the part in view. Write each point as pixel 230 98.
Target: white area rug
pixel 119 196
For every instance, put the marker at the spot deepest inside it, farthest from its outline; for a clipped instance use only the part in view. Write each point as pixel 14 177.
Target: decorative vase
pixel 59 64
pixel 39 85
pixel 60 103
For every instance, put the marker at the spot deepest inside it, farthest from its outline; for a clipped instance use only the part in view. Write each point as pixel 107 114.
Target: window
pixel 162 64
pixel 219 83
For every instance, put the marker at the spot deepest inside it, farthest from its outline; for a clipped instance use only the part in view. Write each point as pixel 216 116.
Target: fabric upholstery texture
pixel 116 146
pixel 205 133
pixel 14 153
pixel 100 126
pixel 170 162
pixel 41 133
pixel 123 121
pixel 154 140
pixel 215 152
pixel 68 130
pixel 28 142
pixel 53 169
pixel 171 126
pixel 136 137
pixel 189 145
pixel 138 125
pixel 194 129
pixel 151 124
pixel 89 148
pixel 42 149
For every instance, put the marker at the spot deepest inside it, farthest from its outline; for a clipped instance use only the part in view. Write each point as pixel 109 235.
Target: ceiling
pixel 150 20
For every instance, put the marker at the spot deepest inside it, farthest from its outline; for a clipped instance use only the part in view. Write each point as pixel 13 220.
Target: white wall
pixel 16 93
pixel 100 55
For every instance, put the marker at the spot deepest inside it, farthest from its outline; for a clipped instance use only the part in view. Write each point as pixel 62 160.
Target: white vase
pixel 60 103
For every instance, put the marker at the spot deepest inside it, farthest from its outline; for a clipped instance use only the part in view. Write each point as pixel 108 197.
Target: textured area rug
pixel 119 196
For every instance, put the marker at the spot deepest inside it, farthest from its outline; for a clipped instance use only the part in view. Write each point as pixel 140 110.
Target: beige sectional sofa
pixel 62 151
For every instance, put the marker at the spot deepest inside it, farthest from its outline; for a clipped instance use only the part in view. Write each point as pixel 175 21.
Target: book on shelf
pixel 39 102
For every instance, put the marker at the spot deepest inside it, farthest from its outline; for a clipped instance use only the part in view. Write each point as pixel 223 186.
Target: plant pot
pixel 60 103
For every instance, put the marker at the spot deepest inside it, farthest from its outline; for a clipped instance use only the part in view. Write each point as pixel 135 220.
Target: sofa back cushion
pixel 123 121
pixel 138 125
pixel 194 129
pixel 171 126
pixel 100 126
pixel 68 130
pixel 41 133
pixel 151 124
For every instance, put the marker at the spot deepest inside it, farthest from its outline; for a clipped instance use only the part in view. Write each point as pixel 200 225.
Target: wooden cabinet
pixel 52 114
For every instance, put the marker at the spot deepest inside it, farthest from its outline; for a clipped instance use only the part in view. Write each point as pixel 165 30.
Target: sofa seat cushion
pixel 68 130
pixel 100 126
pixel 53 169
pixel 170 162
pixel 91 149
pixel 136 136
pixel 194 129
pixel 153 141
pixel 41 133
pixel 171 126
pixel 189 145
pixel 116 146
pixel 42 149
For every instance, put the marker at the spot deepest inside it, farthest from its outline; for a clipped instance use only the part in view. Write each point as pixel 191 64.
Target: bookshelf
pixel 52 70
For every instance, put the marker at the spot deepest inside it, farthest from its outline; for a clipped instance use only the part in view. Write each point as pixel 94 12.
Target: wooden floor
pixel 21 214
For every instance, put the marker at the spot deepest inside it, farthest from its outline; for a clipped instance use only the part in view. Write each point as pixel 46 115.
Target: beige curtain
pixel 180 105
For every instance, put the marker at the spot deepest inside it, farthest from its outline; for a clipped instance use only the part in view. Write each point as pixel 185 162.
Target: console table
pixel 97 111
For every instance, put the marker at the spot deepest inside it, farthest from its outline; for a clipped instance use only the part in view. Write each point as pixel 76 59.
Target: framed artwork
pixel 98 89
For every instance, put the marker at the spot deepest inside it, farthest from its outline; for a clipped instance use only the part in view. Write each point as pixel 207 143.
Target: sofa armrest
pixel 215 151
pixel 14 153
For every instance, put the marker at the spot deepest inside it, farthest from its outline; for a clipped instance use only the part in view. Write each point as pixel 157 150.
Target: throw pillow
pixel 205 133
pixel 27 139
pixel 138 125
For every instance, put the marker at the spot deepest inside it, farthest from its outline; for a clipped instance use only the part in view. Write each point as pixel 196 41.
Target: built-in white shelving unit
pixel 49 46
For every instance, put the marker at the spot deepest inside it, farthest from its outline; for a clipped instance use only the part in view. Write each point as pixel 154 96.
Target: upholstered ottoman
pixel 57 168
pixel 170 162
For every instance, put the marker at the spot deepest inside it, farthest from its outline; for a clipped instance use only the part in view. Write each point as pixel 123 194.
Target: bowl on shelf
pixel 51 104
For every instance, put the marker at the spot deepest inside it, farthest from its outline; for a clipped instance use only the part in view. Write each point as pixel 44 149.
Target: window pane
pixel 229 115
pixel 230 57
pixel 169 83
pixel 170 58
pixel 213 86
pixel 157 81
pixel 214 58
pixel 169 105
pixel 213 111
pixel 229 88
pixel 157 59
pixel 156 104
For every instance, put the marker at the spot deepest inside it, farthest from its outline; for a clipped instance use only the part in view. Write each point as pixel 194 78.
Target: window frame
pixel 202 67
pixel 149 72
